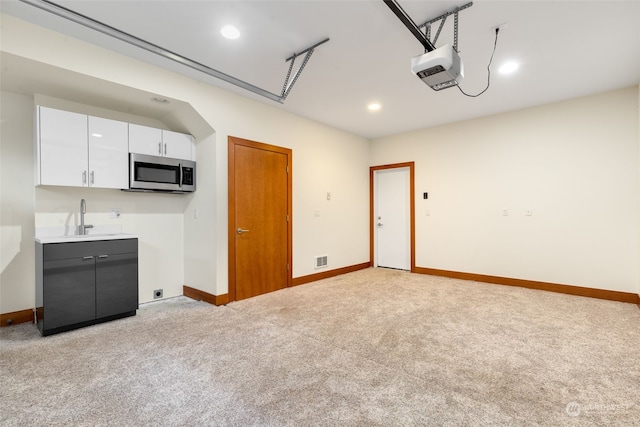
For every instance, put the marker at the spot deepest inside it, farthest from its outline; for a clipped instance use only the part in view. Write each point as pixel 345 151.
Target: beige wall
pixel 17 207
pixel 574 163
pixel 324 159
pixel 157 220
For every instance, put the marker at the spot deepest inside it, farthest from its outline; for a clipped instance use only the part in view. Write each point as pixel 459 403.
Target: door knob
pixel 240 231
pixel 379 224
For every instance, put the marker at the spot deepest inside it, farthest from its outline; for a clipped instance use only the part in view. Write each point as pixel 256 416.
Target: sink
pixel 86 237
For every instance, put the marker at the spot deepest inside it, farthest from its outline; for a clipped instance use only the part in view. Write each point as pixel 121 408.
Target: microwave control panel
pixel 187 176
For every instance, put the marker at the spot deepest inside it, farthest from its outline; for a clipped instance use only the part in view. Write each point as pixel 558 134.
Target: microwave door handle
pixel 180 168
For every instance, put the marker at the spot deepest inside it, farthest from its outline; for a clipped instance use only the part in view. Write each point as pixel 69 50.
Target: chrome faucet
pixel 83 210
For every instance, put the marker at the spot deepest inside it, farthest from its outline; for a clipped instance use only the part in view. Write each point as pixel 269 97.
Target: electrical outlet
pixel 157 294
pixel 115 213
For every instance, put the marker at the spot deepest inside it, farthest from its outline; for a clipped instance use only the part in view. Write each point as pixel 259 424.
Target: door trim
pixel 231 229
pixel 412 206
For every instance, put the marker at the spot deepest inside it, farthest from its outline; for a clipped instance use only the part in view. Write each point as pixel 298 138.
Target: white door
pixel 108 153
pixel 392 218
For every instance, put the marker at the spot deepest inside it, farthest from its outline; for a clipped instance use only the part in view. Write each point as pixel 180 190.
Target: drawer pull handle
pixel 87 257
pixel 103 256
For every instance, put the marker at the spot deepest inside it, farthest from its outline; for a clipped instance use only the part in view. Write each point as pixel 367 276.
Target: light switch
pixel 328 195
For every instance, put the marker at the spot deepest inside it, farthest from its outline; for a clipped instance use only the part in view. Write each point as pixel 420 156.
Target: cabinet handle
pixel 84 177
pixel 160 148
pixel 165 148
pixel 92 177
pixel 103 256
pixel 87 257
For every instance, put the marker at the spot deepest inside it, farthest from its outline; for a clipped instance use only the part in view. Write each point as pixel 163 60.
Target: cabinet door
pixel 116 284
pixel 178 145
pixel 145 140
pixel 69 292
pixel 63 153
pixel 108 153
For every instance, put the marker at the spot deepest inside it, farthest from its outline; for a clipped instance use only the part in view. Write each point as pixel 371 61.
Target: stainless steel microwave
pixel 153 173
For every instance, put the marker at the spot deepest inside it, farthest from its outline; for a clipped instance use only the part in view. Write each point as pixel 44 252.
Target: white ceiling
pixel 566 49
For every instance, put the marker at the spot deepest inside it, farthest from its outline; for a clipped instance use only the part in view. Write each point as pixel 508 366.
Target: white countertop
pixel 85 238
pixel 64 234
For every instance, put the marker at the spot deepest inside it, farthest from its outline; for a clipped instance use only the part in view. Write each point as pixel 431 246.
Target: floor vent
pixel 321 261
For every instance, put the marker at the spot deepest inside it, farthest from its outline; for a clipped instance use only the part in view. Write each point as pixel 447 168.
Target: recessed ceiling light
pixel 374 106
pixel 508 67
pixel 160 100
pixel 230 32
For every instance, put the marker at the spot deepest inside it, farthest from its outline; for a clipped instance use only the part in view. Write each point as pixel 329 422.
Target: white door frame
pixel 372 221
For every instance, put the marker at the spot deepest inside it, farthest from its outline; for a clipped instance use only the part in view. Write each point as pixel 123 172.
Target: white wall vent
pixel 321 261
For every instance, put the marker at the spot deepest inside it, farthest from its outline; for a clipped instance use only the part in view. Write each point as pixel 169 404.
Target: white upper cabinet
pixel 178 145
pixel 62 150
pixel 145 140
pixel 81 151
pixel 157 142
pixel 77 150
pixel 108 153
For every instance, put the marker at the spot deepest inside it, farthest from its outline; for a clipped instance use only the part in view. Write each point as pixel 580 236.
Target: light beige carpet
pixel 375 347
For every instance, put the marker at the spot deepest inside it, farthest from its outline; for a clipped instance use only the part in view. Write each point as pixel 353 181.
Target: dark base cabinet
pixel 84 283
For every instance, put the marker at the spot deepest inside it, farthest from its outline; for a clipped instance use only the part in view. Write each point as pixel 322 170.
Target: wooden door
pixel 259 218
